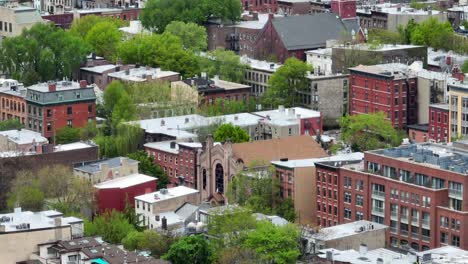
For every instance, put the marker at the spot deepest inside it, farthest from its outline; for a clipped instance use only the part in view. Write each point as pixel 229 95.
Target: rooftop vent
pixel 164 191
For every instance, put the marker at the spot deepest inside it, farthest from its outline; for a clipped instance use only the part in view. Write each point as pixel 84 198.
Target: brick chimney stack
pixel 52 86
pixel 83 84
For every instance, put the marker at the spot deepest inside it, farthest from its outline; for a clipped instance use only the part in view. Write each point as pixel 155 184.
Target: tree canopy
pixel 229 131
pixel 189 249
pixel 158 243
pixel 193 36
pixel 10 124
pixel 369 131
pixel 157 14
pixel 285 82
pixel 55 187
pixel 104 38
pixel 159 50
pixel 113 226
pixel 42 53
pixel 224 63
pixel 67 135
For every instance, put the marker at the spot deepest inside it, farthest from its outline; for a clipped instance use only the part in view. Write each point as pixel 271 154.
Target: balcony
pixel 404 218
pixel 455 194
pixel 378 210
pixel 426 238
pixel 404 233
pixel 426 222
pixel 378 194
pixel 394 230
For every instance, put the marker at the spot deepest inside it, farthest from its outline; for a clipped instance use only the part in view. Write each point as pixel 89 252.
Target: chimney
pixel 173 144
pixel 83 84
pixel 52 86
pixel 163 122
pixel 216 79
pixel 255 16
pixel 58 221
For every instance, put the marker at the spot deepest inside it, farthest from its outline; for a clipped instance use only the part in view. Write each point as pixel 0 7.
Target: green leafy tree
pixel 385 36
pixel 285 82
pixel 148 167
pixel 124 139
pixel 189 249
pixel 158 243
pixel 192 35
pixel 157 14
pixel 229 131
pixel 274 244
pixel 432 33
pixel 42 53
pixel 369 131
pixel 10 124
pixel 464 67
pixel 67 135
pixel 81 27
pixel 104 38
pixel 159 50
pixel 114 92
pixel 89 131
pixel 133 240
pixel 131 216
pixel 124 109
pixel 56 187
pixel 224 63
pixel 28 198
pixel 111 225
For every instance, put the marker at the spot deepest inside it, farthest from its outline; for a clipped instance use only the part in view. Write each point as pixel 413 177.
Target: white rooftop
pixel 60 86
pixel 175 192
pixel 396 9
pixel 446 255
pixel 134 28
pixel 72 146
pixel 288 114
pixel 140 74
pixel 100 68
pixel 301 163
pixel 24 136
pixel 124 182
pixel 348 229
pixel 254 24
pixel 18 220
pixel 260 65
pixel 383 47
pixel 163 146
pixel 325 51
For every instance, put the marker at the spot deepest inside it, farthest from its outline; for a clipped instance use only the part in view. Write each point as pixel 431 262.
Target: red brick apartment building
pixel 263 6
pixel 377 89
pixel 439 122
pixel 417 190
pixel 54 105
pixel 13 103
pixel 177 159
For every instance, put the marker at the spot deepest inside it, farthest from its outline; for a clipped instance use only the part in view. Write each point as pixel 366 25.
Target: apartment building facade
pixel 377 89
pixel 458 110
pixel 417 190
pixel 52 106
pixel 13 103
pixel 438 129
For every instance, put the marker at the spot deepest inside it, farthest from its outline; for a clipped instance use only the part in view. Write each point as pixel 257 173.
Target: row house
pixel 55 105
pixel 13 103
pixel 416 190
pixel 177 159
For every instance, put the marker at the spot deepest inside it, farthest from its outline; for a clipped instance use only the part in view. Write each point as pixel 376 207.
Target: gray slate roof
pixel 186 210
pixel 95 166
pixel 308 31
pixel 352 24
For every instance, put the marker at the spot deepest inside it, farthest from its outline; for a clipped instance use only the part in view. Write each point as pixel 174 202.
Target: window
pixel 69 110
pixel 69 122
pixel 359 185
pixel 455 241
pixel 438 183
pixel 49 112
pixel 444 222
pixel 455 224
pixel 49 126
pixel 443 238
pixel 90 108
pixel 347 197
pixel 359 200
pixel 359 216
pixel 421 179
pixel 347 182
pixel 347 213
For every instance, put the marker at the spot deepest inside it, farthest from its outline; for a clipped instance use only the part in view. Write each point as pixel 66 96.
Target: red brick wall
pixel 344 8
pixel 109 199
pixel 379 95
pixel 316 123
pixel 60 116
pixel 263 6
pixel 286 181
pixel 13 107
pixel 418 136
pixel 438 124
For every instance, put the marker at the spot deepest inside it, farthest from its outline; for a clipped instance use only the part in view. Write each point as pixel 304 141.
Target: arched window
pixel 204 179
pixel 219 178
